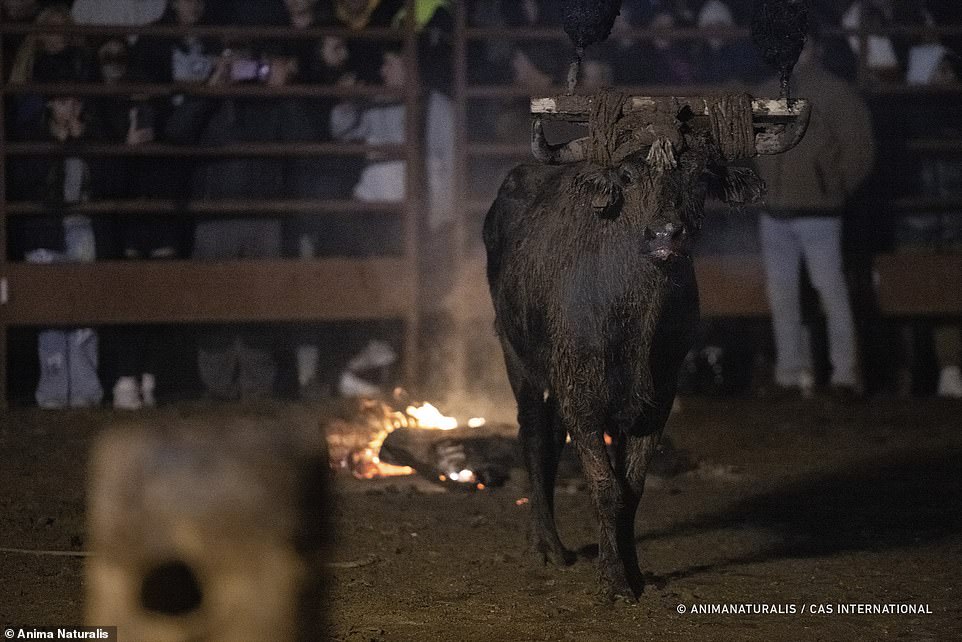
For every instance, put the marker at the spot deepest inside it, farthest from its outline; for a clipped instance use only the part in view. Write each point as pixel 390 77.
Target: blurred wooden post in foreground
pixel 208 534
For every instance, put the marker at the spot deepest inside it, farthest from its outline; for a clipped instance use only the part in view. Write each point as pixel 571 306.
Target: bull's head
pixel 666 154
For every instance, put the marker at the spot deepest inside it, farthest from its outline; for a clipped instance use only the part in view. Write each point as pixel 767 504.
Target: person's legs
pixel 781 253
pixel 257 368
pixel 821 239
pixel 947 347
pixel 217 362
pixel 217 348
pixel 53 387
pixel 217 240
pixel 261 238
pixel 85 388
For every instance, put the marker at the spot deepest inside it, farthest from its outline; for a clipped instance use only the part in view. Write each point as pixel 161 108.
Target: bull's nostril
pixel 678 232
pixel 649 235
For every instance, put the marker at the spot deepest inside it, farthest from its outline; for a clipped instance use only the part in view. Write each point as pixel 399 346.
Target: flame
pixel 365 463
pixel 427 416
pixel 464 476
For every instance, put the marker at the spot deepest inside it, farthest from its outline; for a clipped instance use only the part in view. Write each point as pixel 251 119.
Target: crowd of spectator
pixel 235 362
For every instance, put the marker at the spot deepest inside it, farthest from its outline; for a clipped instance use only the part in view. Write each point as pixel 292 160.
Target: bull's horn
pixel 572 152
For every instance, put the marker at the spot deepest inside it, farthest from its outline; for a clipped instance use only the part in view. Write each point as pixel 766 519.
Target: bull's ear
pixel 607 192
pixel 734 185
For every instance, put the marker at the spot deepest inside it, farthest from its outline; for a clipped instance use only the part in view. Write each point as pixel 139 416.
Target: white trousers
pixel 818 240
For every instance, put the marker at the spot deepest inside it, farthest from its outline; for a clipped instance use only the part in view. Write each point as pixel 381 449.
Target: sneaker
pixel 147 386
pixel 127 394
pixel 950 382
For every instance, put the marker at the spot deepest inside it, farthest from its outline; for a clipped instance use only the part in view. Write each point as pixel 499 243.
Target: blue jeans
pixel 68 358
pixel 68 369
pixel 818 240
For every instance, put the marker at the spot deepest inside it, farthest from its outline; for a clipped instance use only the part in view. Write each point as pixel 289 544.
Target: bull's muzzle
pixel 663 242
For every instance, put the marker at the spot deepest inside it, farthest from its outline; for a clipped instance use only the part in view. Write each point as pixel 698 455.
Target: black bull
pixel 596 305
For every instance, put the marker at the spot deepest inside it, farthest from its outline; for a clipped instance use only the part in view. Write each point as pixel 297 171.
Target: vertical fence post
pixel 413 190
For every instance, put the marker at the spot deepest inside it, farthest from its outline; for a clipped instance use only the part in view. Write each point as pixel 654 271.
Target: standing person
pixel 46 57
pixel 930 63
pixel 187 59
pixel 137 349
pixel 236 362
pixel 68 357
pixel 383 123
pixel 358 15
pixel 807 190
pixel 327 61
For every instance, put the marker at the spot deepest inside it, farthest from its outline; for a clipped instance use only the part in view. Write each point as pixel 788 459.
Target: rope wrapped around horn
pixel 730 118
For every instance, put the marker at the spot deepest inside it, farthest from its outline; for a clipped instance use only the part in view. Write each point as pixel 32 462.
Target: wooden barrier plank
pixel 109 292
pixel 919 284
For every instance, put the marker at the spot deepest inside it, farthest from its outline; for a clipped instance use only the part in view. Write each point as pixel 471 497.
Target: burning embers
pixel 416 444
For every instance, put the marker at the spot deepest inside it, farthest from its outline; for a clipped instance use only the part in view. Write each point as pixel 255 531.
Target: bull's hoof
pixel 617 594
pixel 616 587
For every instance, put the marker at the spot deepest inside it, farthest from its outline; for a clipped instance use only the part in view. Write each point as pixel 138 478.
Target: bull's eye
pixel 627 177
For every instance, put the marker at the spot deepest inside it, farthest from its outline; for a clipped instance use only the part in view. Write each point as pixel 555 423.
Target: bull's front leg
pixel 609 497
pixel 632 456
pixel 542 440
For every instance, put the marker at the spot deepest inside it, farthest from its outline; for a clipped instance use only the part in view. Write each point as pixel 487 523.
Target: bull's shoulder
pixel 519 191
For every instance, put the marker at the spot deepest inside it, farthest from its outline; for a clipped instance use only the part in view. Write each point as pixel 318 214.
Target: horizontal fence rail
pixel 111 292
pixel 219 206
pixel 281 150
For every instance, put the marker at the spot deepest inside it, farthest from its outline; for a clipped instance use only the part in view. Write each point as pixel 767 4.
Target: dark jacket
pixel 40 179
pixel 835 156
pixel 242 121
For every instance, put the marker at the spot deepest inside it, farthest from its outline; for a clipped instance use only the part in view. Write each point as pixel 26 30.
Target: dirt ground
pixel 798 505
